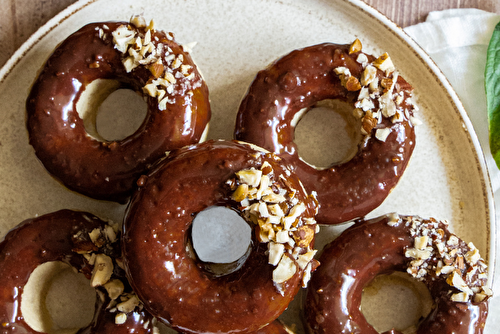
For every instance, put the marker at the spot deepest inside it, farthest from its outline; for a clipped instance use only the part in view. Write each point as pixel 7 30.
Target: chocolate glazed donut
pixel 452 270
pixel 130 56
pixel 175 286
pixel 278 95
pixel 77 239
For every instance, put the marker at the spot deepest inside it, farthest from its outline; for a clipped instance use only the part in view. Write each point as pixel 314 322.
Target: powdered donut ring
pixel 114 55
pixel 87 244
pixel 452 270
pixel 178 288
pixel 382 100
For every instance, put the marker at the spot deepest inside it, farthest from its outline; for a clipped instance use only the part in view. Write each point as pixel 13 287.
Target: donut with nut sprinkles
pixel 83 242
pixel 103 57
pixel 190 295
pixel 453 271
pixel 382 102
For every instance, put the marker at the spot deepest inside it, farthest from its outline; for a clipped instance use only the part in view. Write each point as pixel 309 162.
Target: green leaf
pixel 492 86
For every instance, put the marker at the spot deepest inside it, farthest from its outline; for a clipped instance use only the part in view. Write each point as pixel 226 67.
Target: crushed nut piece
pixel 368 75
pixel 285 270
pixel 114 288
pixel 457 281
pixel 356 46
pixel 460 297
pixel 120 318
pixel 384 63
pixel 250 176
pixel 128 305
pixel 103 269
pixel 382 134
pixel 352 84
pixel 276 252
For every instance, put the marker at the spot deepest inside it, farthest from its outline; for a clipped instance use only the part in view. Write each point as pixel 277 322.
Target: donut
pixel 87 244
pixel 382 102
pixel 114 55
pixel 452 270
pixel 182 291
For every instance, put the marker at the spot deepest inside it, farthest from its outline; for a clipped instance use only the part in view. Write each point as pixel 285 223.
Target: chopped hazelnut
pixel 103 269
pixel 356 46
pixel 285 270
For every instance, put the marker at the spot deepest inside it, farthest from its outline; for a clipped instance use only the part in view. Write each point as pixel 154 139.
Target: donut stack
pixel 146 270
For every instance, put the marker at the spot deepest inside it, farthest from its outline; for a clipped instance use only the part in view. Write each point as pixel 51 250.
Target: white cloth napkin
pixel 457 41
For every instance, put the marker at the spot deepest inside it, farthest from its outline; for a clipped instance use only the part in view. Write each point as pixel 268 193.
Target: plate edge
pixel 41 32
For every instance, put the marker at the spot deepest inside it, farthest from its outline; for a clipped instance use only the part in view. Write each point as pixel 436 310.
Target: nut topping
pixel 100 257
pixel 355 46
pixel 114 288
pixel 379 93
pixel 285 270
pixel 436 253
pixel 103 269
pixel 140 47
pixel 271 206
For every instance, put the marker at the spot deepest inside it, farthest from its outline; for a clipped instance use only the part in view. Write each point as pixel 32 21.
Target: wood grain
pixel 410 12
pixel 21 18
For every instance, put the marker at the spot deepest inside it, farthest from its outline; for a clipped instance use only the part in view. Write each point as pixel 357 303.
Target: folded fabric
pixel 457 41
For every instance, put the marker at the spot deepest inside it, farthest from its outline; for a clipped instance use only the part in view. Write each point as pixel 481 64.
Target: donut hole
pixel 57 300
pixel 110 112
pixel 327 134
pixel 395 301
pixel 221 239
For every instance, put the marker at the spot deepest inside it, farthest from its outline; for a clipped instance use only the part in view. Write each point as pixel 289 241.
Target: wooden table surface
pixel 20 18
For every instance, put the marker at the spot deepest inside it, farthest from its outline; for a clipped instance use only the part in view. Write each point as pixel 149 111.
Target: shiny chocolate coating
pixel 53 237
pixel 365 250
pixel 108 169
pixel 163 269
pixel 299 80
pixel 138 321
pixel 275 327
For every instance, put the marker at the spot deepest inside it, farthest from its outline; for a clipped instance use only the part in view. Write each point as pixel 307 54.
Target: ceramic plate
pixel 446 177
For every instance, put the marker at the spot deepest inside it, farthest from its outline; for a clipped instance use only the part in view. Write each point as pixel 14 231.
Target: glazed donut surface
pixel 382 100
pixel 452 270
pixel 163 268
pixel 275 327
pixel 87 244
pixel 132 56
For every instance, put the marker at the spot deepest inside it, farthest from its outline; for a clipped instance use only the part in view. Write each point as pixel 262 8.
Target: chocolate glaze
pixel 107 169
pixel 299 80
pixel 362 252
pixel 168 277
pixel 275 327
pixel 138 321
pixel 52 237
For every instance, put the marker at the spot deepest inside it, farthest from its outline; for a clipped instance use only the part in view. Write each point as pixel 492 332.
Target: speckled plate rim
pixel 397 31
